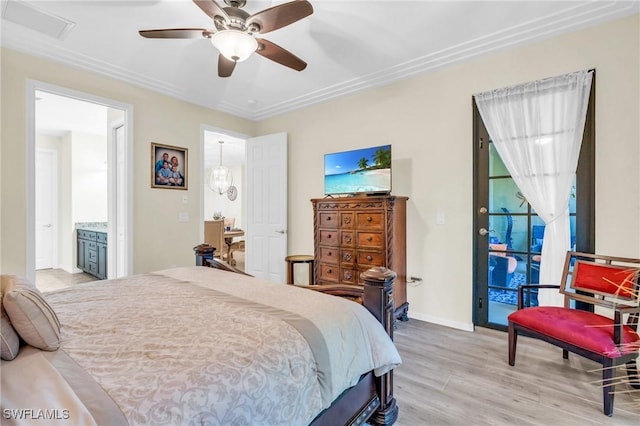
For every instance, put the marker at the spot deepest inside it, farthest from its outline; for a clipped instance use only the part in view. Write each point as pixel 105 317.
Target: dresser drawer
pixel 329 272
pixel 86 235
pixel 93 245
pixel 348 276
pixel 371 239
pixel 347 220
pixel 329 220
pixel 101 237
pixel 347 238
pixel 93 268
pixel 371 258
pixel 370 220
pixel 329 238
pixel 347 256
pixel 329 255
pixel 92 256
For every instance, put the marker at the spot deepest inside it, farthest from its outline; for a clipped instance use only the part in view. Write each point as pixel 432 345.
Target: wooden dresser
pixel 353 234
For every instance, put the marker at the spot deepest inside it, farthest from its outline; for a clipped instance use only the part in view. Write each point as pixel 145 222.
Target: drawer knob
pixel 330 253
pixel 369 219
pixel 329 219
pixel 329 271
pixel 329 236
pixel 369 238
pixel 369 258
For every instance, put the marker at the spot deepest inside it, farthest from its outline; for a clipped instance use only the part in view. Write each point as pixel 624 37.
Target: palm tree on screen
pixel 382 158
pixel 363 163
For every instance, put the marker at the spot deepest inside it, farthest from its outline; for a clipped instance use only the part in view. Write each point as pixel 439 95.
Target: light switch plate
pixel 440 218
pixel 183 217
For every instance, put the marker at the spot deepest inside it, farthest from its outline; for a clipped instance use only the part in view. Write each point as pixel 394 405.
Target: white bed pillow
pixel 9 340
pixel 31 316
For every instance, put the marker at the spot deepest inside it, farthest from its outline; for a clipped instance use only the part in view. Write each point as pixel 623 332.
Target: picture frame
pixel 174 175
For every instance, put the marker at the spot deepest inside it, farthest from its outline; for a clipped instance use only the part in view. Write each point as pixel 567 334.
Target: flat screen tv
pixel 361 171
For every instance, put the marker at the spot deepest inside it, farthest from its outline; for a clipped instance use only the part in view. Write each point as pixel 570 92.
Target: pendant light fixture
pixel 221 178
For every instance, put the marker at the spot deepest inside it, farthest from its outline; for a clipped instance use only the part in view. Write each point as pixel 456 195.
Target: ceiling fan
pixel 235 31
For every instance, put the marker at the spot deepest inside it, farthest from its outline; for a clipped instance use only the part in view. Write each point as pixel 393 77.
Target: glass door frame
pixel 585 206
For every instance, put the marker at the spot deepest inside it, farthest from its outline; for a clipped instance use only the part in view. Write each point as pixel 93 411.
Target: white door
pixel 267 207
pixel 46 208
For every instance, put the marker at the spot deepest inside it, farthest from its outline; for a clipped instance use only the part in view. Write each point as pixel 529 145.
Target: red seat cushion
pixel 584 329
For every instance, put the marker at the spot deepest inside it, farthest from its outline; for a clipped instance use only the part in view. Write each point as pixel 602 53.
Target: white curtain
pixel 537 130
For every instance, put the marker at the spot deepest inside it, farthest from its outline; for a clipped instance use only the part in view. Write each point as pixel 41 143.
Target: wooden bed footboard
pixel 371 400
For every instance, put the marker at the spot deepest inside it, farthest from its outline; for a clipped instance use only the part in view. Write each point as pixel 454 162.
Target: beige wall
pixel 159 240
pixel 428 121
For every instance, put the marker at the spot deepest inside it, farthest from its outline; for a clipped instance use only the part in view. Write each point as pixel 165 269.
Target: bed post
pixel 378 299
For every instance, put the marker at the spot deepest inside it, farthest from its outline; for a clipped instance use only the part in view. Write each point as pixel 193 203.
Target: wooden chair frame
pixel 623 304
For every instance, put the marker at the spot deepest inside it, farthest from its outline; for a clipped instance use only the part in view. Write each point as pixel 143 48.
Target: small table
pixel 299 258
pixel 230 235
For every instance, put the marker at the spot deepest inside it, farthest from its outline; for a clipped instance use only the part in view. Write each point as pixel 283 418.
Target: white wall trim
pixel 442 321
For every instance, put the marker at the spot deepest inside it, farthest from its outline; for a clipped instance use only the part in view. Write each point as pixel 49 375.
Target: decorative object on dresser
pixel 92 249
pixel 354 234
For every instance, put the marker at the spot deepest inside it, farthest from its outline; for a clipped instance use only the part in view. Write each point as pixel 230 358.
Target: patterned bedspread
pixel 202 346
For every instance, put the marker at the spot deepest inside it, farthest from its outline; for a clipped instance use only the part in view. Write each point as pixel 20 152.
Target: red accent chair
pixel 596 280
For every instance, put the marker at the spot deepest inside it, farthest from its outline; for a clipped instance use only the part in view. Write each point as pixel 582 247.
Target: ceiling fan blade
pixel 277 54
pixel 212 9
pixel 225 66
pixel 280 16
pixel 177 33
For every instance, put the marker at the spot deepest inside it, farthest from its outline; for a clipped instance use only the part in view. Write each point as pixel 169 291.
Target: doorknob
pixel 47 225
pixel 483 210
pixel 483 231
pixel 281 231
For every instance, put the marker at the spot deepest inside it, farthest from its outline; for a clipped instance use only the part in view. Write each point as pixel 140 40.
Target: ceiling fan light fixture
pixel 234 45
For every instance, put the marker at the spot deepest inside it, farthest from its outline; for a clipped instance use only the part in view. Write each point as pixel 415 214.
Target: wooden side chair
pixel 214 236
pixel 610 286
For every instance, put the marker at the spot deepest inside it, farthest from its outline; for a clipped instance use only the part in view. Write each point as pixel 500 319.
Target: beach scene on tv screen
pixel 362 170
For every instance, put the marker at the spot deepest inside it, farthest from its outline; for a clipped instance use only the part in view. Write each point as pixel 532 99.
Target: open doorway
pixel 228 202
pixel 77 154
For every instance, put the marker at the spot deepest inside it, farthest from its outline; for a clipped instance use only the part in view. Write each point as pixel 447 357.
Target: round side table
pixel 299 258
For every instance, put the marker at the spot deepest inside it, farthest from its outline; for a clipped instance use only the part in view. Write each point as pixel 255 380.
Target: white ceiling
pixel 349 45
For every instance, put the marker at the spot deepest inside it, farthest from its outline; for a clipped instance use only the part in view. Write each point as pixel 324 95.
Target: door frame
pixel 585 204
pixel 35 85
pixel 203 181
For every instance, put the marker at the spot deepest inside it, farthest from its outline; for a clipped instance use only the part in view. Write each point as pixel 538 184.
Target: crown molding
pixel 570 19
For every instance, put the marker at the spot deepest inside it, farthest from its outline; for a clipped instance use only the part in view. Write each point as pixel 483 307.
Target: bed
pixel 198 345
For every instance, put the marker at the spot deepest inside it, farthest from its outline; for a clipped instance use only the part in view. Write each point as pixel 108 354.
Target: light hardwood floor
pixel 54 279
pixel 452 377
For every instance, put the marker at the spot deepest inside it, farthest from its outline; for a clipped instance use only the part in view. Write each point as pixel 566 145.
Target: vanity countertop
pixel 92 226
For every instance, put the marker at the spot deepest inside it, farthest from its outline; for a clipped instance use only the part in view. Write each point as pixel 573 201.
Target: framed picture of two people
pixel 168 166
